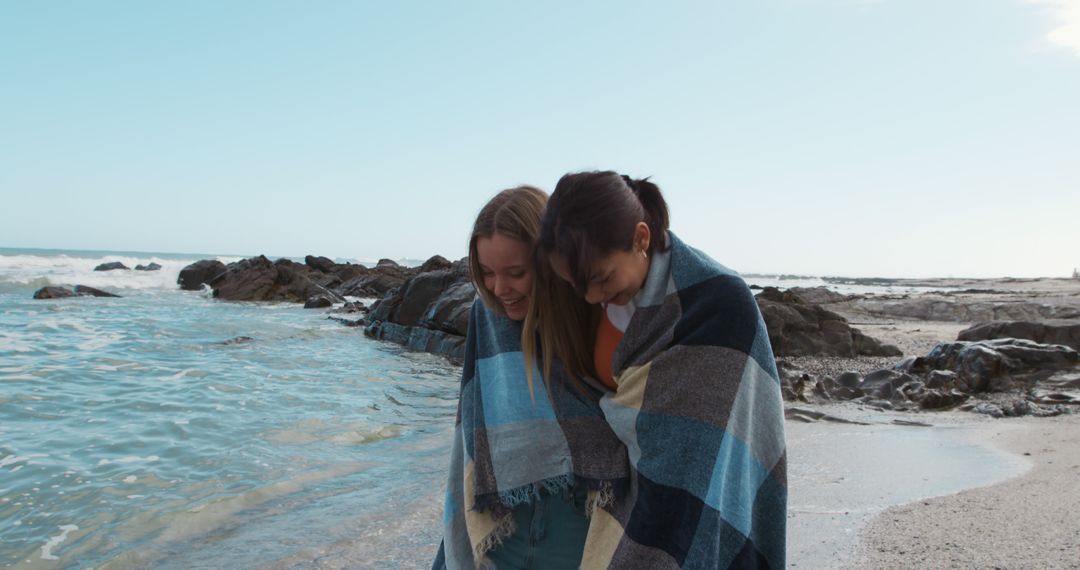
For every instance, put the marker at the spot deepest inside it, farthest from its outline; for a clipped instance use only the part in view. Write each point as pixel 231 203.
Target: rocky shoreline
pixel 1004 347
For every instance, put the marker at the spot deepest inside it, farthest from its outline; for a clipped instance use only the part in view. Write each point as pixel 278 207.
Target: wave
pixel 21 271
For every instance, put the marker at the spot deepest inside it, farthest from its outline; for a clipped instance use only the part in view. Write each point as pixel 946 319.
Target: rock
pixel 435 263
pixel 939 400
pixel 428 312
pixel 816 295
pixel 91 292
pixel 53 293
pixel 149 267
pixel 257 279
pixel 946 309
pixel 938 379
pixel 319 302
pixel 799 329
pixel 980 363
pixel 237 340
pixel 992 410
pixel 319 263
pixel 111 266
pixel 388 264
pixel 849 379
pixel 1067 334
pixel 193 276
pixel 349 308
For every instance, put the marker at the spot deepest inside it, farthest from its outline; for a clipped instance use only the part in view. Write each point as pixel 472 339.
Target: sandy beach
pixel 1029 521
pixel 1023 514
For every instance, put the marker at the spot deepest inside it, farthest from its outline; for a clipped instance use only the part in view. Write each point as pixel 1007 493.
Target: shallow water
pixel 133 435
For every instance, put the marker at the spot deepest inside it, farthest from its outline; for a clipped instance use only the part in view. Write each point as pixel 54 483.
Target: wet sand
pixel 1031 521
pixel 842 476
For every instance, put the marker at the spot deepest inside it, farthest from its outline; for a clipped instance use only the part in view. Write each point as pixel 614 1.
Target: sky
pixel 891 138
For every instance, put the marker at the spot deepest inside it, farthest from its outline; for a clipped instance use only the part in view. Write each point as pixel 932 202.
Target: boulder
pixel 435 263
pixel 816 295
pixel 91 292
pixel 111 266
pixel 997 365
pixel 428 312
pixel 259 279
pixel 53 293
pixel 1064 333
pixel 193 276
pixel 320 263
pixel 945 309
pixel 148 267
pixel 797 328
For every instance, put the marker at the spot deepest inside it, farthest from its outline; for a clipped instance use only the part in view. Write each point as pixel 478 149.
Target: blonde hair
pixel 564 323
pixel 514 213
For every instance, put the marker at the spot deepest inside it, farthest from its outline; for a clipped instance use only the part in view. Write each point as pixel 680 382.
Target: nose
pixel 502 286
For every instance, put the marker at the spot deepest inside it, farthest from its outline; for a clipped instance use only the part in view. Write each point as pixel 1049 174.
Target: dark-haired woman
pixel 693 388
pixel 528 458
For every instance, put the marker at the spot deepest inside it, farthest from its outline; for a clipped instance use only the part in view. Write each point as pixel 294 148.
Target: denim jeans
pixel 549 534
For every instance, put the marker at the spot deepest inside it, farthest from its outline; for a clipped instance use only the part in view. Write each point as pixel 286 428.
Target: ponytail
pixel 656 210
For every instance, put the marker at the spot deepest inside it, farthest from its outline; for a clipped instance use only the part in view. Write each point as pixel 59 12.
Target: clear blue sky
pixel 890 137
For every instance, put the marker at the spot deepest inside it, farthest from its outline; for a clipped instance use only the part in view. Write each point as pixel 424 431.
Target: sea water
pixel 167 429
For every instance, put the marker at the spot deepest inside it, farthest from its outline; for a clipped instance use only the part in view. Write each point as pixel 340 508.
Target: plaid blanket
pixel 509 444
pixel 698 415
pixel 699 410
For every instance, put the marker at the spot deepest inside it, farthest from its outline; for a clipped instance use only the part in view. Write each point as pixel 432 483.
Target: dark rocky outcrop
pixel 91 292
pixel 435 263
pixel 193 276
pixel 320 263
pixel 148 267
pixel 428 312
pixel 995 365
pixel 1064 333
pixel 111 266
pixel 816 295
pixel 797 328
pixel 259 279
pixel 53 293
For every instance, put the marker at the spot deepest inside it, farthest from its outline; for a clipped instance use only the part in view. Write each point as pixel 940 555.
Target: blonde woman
pixel 529 459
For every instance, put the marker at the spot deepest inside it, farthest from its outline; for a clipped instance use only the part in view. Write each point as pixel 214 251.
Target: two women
pixel 688 399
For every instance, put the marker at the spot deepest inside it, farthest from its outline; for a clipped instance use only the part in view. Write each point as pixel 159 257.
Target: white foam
pixel 68 270
pixel 129 459
pixel 130 479
pixel 46 549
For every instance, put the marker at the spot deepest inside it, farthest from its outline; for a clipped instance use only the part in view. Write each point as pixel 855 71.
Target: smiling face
pixel 616 277
pixel 506 267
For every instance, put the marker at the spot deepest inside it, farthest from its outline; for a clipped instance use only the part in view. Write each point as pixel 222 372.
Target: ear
pixel 642 236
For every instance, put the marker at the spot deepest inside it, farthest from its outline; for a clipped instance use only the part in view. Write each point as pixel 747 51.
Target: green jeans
pixel 549 534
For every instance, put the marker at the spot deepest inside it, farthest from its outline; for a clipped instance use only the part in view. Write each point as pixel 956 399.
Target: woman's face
pixel 506 265
pixel 615 278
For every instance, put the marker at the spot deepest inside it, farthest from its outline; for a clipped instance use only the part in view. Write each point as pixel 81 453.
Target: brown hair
pixel 565 321
pixel 592 214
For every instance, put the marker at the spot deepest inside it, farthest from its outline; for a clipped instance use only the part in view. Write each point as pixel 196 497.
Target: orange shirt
pixel 607 339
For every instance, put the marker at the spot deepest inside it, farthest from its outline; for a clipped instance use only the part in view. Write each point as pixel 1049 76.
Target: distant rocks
pixel 112 266
pixel 62 292
pixel 946 309
pixel 259 279
pixel 193 276
pixel 148 267
pixel 798 327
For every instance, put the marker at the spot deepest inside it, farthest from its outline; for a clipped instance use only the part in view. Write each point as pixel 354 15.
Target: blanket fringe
pixel 503 528
pixel 600 498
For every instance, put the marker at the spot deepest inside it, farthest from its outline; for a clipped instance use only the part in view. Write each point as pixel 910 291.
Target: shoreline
pixel 1028 521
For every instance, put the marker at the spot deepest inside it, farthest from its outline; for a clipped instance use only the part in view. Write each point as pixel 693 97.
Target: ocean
pixel 138 432
pixel 166 429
